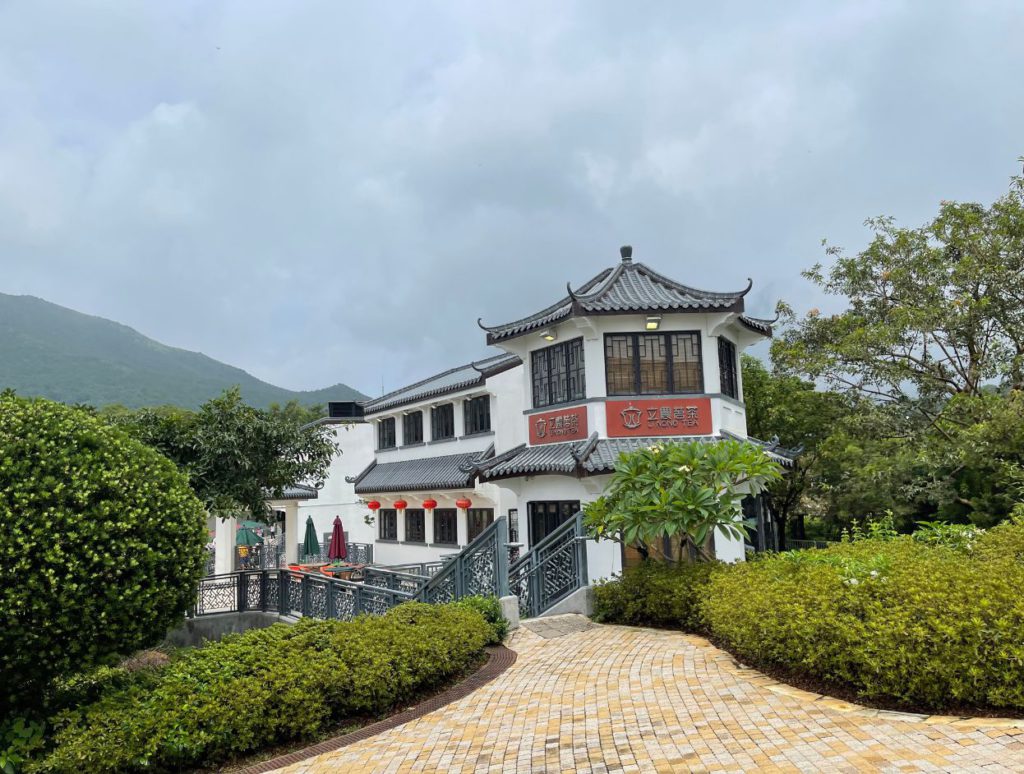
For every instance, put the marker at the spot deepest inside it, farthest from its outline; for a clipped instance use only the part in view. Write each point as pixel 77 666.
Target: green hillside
pixel 55 352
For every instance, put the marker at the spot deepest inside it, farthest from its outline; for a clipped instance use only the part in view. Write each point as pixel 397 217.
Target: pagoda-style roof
pixel 628 288
pixel 454 379
pixel 452 471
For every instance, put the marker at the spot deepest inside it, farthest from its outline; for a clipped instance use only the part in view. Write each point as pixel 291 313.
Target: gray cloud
pixel 321 192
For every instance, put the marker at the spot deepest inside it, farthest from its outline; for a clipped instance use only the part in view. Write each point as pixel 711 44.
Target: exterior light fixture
pixel 653 322
pixel 548 335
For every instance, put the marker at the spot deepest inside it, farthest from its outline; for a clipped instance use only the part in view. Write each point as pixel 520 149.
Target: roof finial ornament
pixel 750 284
pixel 626 251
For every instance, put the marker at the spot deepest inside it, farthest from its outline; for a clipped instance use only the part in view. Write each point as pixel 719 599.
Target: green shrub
pixel 19 739
pixel 655 594
pixel 894 619
pixel 1004 542
pixel 264 687
pixel 960 537
pixel 490 609
pixel 102 537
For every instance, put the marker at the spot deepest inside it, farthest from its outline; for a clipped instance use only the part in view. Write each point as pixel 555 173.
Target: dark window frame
pixel 554 512
pixel 444 529
pixel 412 421
pixel 558 373
pixel 386 430
pixel 387 524
pixel 476 415
pixel 439 424
pixel 727 368
pixel 416 518
pixel 669 362
pixel 473 529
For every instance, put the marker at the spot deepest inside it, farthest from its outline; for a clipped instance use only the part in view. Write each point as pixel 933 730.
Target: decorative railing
pixel 388 578
pixel 481 568
pixel 268 555
pixel 426 569
pixel 550 570
pixel 358 553
pixel 287 592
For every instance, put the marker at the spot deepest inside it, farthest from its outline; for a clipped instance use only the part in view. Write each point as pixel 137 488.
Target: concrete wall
pixel 193 632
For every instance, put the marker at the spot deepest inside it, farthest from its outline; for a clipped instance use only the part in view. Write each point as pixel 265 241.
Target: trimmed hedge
pixel 101 548
pixel 264 687
pixel 490 609
pixel 655 594
pixel 899 621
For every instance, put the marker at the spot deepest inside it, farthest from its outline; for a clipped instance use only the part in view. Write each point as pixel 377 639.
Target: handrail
pixel 481 568
pixel 550 570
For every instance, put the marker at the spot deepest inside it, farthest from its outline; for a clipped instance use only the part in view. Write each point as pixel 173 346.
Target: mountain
pixel 55 352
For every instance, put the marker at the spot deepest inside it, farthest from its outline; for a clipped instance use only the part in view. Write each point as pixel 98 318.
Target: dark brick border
pixel 499 658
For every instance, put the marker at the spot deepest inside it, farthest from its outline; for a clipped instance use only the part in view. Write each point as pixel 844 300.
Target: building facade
pixel 630 358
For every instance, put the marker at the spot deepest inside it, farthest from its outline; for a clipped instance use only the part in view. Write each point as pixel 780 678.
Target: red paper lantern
pixel 400 504
pixel 465 502
pixel 373 505
pixel 430 504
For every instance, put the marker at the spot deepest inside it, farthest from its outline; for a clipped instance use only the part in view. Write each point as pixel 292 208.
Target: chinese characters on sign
pixel 688 416
pixel 565 425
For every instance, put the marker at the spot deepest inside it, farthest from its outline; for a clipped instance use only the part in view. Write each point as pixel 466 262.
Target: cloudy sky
pixel 325 191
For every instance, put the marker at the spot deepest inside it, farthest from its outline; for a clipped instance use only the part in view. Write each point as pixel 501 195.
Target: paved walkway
pixel 583 697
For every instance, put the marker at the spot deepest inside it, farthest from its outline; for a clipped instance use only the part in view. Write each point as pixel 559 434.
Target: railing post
pixel 305 595
pixel 283 579
pixel 581 551
pixel 330 600
pixel 357 601
pixel 241 597
pixel 501 560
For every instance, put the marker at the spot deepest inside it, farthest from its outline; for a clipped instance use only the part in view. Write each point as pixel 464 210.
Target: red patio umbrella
pixel 338 549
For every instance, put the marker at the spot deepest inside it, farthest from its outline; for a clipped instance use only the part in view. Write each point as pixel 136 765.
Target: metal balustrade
pixel 358 553
pixel 480 569
pixel 551 570
pixel 427 569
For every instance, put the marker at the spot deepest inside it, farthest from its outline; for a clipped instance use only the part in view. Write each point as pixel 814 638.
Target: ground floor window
pixel 415 526
pixel 546 516
pixel 479 520
pixel 387 524
pixel 445 526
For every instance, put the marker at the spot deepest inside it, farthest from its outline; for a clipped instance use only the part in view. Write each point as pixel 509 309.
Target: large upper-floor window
pixel 412 428
pixel 415 525
pixel 387 524
pixel 442 422
pixel 386 433
pixel 445 526
pixel 727 368
pixel 477 415
pixel 557 373
pixel 653 363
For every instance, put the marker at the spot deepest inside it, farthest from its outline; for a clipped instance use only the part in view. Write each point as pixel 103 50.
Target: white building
pixel 627 359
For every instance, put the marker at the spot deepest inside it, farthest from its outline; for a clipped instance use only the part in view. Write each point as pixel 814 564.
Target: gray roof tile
pixel 452 380
pixel 448 472
pixel 628 287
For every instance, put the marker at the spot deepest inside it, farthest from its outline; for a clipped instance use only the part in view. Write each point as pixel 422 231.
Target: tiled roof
pixel 596 456
pixel 454 471
pixel 628 287
pixel 758 325
pixel 298 492
pixel 452 380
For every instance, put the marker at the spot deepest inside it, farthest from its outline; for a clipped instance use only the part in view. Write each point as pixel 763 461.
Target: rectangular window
pixel 479 519
pixel 557 374
pixel 477 413
pixel 442 422
pixel 387 524
pixel 653 363
pixel 546 517
pixel 412 428
pixel 386 433
pixel 727 368
pixel 445 529
pixel 415 525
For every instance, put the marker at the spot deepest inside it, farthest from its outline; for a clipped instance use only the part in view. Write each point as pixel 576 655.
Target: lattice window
pixel 415 526
pixel 477 413
pixel 386 433
pixel 479 520
pixel 446 526
pixel 727 368
pixel 387 524
pixel 442 422
pixel 557 374
pixel 412 428
pixel 653 363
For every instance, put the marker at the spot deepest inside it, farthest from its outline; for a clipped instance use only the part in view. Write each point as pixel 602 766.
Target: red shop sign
pixel 562 425
pixel 684 416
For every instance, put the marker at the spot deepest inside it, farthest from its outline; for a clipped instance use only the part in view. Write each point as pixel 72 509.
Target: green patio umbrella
pixel 245 536
pixel 310 545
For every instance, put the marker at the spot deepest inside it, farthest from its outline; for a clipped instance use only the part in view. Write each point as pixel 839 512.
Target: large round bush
pixel 101 546
pixel 925 626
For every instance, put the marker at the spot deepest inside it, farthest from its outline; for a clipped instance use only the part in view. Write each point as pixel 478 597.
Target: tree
pixel 680 492
pixel 101 549
pixel 236 456
pixel 932 312
pixel 791 409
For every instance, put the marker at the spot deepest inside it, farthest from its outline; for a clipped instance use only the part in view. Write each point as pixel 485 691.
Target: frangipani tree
pixel 680 491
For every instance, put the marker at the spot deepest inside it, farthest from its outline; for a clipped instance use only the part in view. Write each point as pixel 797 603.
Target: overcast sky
pixel 326 191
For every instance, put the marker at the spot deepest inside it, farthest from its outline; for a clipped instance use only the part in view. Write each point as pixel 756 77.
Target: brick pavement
pixel 608 698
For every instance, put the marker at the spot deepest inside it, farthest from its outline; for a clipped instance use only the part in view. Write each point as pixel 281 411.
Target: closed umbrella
pixel 310 545
pixel 338 549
